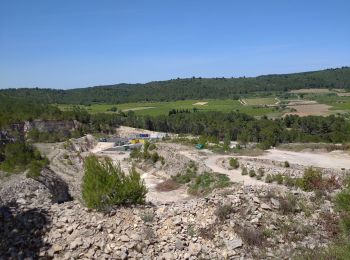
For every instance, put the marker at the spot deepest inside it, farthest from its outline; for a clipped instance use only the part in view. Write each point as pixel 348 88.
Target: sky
pixel 79 43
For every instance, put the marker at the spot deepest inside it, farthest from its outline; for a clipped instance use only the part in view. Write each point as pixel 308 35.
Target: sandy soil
pixel 137 108
pixel 343 94
pixel 309 109
pixel 301 102
pixel 335 159
pixel 200 104
pixel 102 146
pixel 125 131
pixel 243 102
pixel 311 90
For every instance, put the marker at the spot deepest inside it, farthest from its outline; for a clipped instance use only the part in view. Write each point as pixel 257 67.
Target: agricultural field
pixel 319 102
pixel 312 90
pixel 259 101
pixel 306 102
pixel 163 108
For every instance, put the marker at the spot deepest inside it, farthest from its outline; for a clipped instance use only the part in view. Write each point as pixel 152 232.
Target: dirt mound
pixel 175 161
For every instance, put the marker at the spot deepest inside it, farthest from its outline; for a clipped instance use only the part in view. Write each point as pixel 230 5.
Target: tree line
pixel 233 125
pixel 190 88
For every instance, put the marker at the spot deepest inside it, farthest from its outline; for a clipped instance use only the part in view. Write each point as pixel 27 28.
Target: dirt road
pixel 335 159
pixel 211 161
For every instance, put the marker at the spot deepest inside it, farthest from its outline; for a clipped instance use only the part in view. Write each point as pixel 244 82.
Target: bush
pixel 191 173
pixel 244 170
pixel 288 181
pixel 342 202
pixel 151 147
pixel 223 212
pixel 311 180
pixel 252 173
pixel 251 236
pixel 279 178
pixel 20 156
pixel 147 216
pixel 234 163
pixel 288 204
pixel 35 168
pixel 105 185
pixel 135 153
pixel 207 232
pixel 155 157
pixel 268 178
pixel 261 172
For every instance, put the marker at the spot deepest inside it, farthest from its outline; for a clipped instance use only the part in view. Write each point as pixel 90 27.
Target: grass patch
pixel 206 182
pixel 163 108
pixel 21 156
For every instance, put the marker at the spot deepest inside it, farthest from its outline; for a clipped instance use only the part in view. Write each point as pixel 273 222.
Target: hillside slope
pixel 193 88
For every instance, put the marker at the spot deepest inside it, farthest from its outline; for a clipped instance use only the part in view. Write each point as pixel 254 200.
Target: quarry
pixel 246 217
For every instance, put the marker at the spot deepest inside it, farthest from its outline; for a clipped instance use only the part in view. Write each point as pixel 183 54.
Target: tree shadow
pixel 22 231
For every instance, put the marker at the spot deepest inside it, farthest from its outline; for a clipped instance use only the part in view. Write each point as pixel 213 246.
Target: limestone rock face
pixel 50 125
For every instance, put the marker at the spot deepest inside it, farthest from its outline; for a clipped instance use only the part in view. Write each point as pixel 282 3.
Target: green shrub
pixel 135 153
pixel 261 172
pixel 155 157
pixel 223 211
pixel 184 178
pixel 252 173
pixel 267 232
pixel 268 178
pixel 35 167
pixel 147 216
pixel 244 170
pixel 278 178
pixel 340 249
pixel 20 156
pixel 234 163
pixel 288 204
pixel 288 181
pixel 286 164
pixel 342 202
pixel 311 180
pixel 251 236
pixel 105 185
pixel 152 147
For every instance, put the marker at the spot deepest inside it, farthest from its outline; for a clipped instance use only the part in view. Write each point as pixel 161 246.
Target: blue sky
pixel 80 43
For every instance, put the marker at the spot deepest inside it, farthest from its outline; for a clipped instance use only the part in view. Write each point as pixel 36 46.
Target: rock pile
pixel 241 222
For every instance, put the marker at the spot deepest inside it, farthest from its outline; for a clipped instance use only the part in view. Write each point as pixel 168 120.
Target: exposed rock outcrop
pixel 51 125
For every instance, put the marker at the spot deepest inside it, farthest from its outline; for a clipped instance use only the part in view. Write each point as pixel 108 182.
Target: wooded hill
pixel 192 88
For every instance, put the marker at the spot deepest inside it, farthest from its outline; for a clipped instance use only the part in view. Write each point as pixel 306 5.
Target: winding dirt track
pixel 211 161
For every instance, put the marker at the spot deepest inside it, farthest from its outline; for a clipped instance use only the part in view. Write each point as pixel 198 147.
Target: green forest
pixel 191 88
